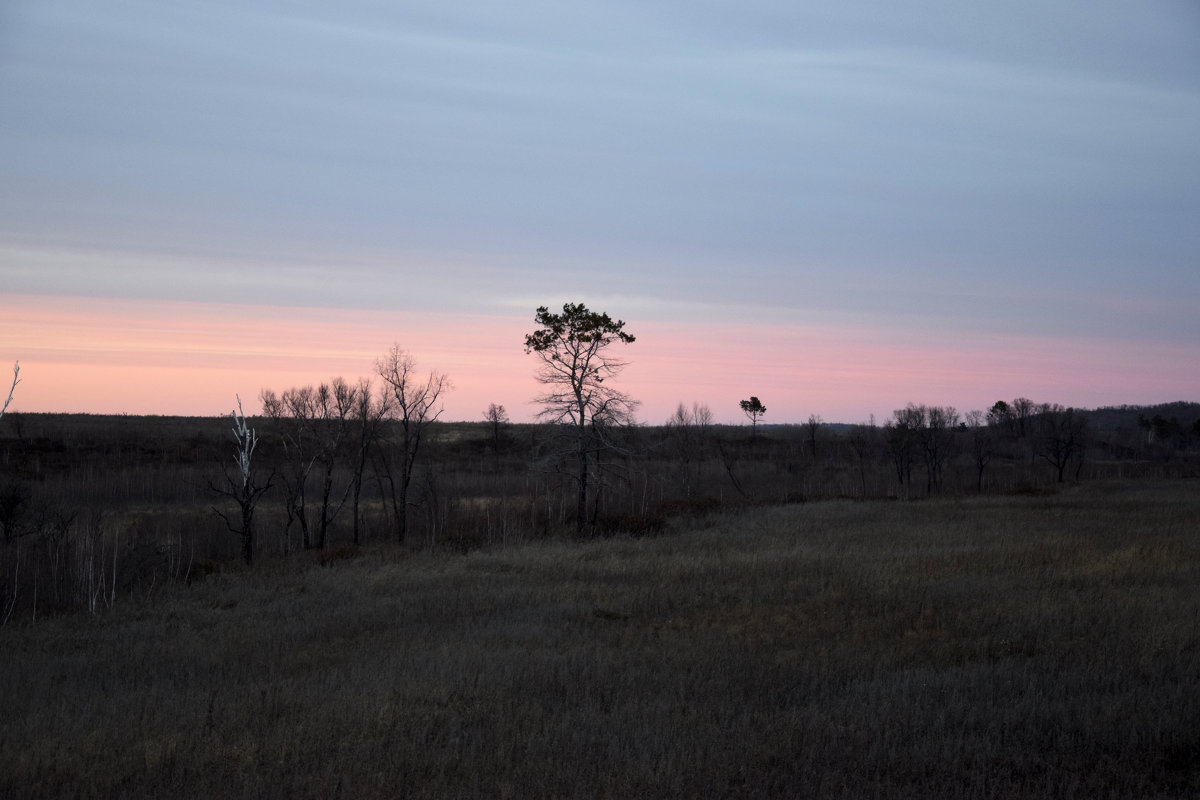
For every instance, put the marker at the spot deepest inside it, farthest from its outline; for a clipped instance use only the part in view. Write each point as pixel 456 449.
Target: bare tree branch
pixel 16 379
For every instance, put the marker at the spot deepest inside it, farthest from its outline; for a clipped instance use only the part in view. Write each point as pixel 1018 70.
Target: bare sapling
pixel 16 379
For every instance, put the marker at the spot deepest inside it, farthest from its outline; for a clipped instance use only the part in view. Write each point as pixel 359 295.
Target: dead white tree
pixel 16 379
pixel 247 440
pixel 242 487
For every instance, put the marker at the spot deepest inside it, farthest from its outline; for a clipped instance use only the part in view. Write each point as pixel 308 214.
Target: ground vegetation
pixel 1028 644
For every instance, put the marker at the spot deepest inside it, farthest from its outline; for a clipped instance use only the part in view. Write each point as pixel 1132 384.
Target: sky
pixel 839 208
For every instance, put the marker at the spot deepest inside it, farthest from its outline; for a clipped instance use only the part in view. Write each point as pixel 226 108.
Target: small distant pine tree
pixel 753 409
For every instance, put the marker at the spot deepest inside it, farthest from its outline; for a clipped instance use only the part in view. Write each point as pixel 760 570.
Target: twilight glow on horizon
pixel 838 208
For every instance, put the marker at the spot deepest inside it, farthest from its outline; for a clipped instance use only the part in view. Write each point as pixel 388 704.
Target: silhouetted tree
pixel 983 442
pixel 496 418
pixel 413 406
pixel 574 364
pixel 927 431
pixel 1000 416
pixel 333 406
pixel 368 414
pixel 1022 410
pixel 937 442
pixel 1062 436
pixel 900 434
pixel 293 424
pixel 753 409
pixel 812 427
pixel 687 431
pixel 864 442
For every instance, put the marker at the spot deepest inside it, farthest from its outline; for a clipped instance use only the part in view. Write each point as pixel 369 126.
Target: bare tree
pixel 983 441
pixel 496 417
pixel 900 433
pixel 292 420
pixel 680 418
pixel 1022 411
pixel 413 403
pixel 333 408
pixel 16 379
pixel 863 440
pixel 1062 437
pixel 698 417
pixel 575 363
pixel 242 487
pixel 687 433
pixel 754 410
pixel 812 427
pixel 937 441
pixel 927 431
pixel 368 415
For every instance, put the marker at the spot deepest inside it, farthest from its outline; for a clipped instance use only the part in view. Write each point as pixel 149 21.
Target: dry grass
pixel 1044 646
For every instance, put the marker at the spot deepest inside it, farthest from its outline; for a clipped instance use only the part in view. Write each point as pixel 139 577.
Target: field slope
pixel 1020 646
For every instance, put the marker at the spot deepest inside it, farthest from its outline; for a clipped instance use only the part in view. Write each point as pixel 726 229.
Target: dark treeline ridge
pixel 97 508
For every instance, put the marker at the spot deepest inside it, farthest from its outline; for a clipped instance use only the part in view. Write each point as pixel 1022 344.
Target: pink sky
pixel 173 357
pixel 837 208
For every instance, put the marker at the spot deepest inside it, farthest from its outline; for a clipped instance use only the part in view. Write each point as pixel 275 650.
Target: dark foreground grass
pixel 992 647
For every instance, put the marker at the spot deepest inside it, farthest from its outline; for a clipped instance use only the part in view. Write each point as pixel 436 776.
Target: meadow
pixel 1036 643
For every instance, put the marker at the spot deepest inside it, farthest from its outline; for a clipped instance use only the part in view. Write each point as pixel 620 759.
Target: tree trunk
pixel 326 490
pixel 401 508
pixel 246 499
pixel 358 479
pixel 581 501
pixel 248 530
pixel 302 518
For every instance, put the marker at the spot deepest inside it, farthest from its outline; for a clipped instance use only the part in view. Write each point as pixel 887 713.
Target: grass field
pixel 981 647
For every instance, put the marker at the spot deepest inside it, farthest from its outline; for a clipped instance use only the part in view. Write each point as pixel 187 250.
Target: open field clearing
pixel 997 646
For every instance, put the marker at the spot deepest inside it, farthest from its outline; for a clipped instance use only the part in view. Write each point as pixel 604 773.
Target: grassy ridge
pixel 1044 646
